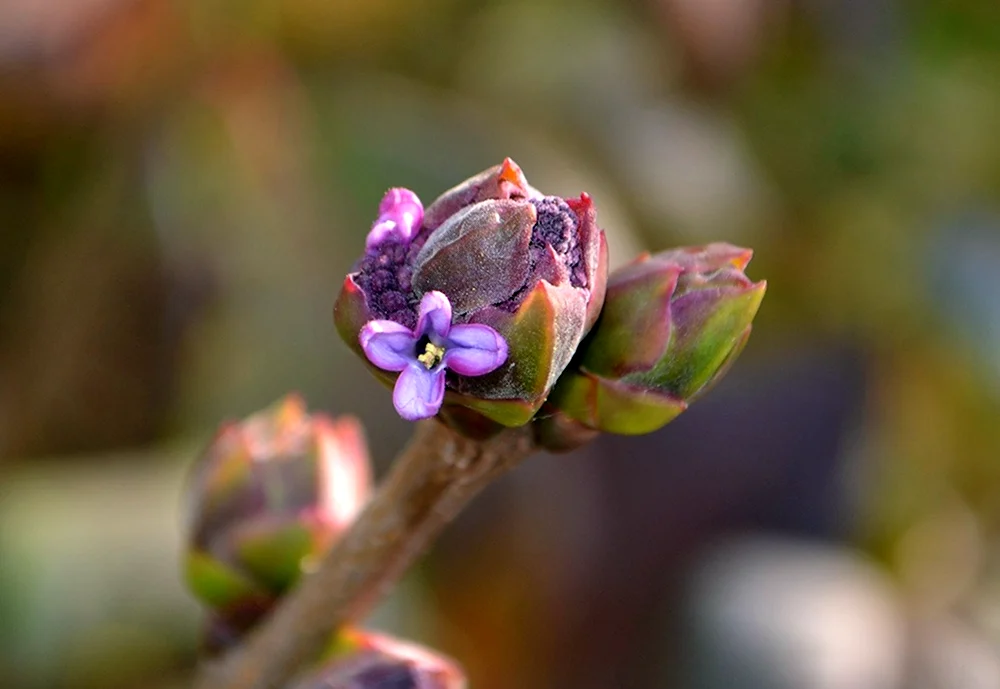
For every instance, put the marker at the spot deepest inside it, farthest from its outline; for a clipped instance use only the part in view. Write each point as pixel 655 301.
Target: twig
pixel 430 482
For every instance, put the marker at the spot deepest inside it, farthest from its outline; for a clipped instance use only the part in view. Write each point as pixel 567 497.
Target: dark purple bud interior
pixel 556 226
pixel 385 275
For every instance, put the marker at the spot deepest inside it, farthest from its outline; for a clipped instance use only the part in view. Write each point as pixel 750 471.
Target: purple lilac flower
pixel 422 355
pixel 399 216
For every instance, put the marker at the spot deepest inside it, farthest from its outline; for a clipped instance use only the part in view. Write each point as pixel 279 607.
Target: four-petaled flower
pixel 421 355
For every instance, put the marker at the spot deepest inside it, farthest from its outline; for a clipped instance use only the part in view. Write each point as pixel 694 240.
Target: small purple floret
pixel 399 216
pixel 383 273
pixel 422 354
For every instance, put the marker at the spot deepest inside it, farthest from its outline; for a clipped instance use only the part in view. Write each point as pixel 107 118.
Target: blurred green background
pixel 183 184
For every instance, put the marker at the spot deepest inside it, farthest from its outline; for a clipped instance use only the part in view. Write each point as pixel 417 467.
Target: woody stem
pixel 430 482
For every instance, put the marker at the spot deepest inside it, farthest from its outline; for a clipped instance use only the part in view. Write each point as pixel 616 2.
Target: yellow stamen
pixel 432 355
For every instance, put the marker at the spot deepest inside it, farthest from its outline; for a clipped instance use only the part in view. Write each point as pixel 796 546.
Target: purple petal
pixel 388 344
pixel 406 221
pixel 403 207
pixel 400 200
pixel 435 316
pixel 381 231
pixel 399 216
pixel 418 393
pixel 474 349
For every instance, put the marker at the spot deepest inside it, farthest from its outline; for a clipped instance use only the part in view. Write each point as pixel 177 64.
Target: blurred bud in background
pixel 271 493
pixel 362 660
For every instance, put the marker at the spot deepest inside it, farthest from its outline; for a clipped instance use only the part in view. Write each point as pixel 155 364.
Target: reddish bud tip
pixel 511 175
pixel 582 204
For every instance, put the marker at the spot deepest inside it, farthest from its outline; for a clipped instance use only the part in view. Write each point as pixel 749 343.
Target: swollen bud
pixel 492 274
pixel 672 323
pixel 362 660
pixel 270 494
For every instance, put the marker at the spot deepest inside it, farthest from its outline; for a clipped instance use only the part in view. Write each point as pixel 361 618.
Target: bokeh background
pixel 183 184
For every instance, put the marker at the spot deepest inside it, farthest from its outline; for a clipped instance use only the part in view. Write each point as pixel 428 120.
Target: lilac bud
pixel 399 216
pixel 527 270
pixel 270 494
pixel 671 326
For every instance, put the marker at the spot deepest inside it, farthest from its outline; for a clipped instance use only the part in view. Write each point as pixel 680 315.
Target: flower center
pixel 432 356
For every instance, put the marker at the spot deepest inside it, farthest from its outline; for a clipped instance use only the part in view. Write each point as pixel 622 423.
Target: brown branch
pixel 430 482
